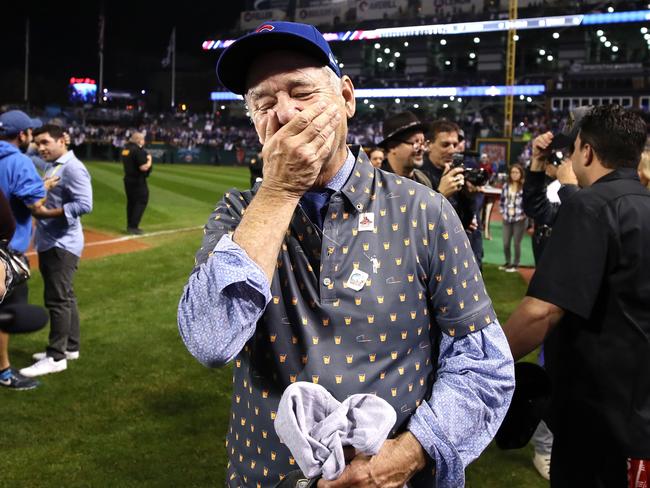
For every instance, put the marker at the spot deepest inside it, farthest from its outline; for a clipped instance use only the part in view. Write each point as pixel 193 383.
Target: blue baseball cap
pixel 235 60
pixel 16 121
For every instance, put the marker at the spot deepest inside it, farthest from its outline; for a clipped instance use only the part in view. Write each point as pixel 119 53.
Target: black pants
pixel 58 267
pixel 137 197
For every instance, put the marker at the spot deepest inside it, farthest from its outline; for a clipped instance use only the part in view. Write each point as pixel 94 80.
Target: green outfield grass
pixel 136 409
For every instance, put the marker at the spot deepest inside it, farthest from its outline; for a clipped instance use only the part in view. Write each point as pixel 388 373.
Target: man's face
pixel 50 148
pixel 376 158
pixel 282 84
pixel 25 138
pixel 578 160
pixel 410 151
pixel 442 148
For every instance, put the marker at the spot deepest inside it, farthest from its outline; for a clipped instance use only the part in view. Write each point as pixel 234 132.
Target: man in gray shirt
pixel 335 272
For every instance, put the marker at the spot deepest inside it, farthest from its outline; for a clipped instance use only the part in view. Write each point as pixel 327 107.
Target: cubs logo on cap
pixel 265 28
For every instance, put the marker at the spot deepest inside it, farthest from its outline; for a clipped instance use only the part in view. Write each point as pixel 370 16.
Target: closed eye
pixel 300 95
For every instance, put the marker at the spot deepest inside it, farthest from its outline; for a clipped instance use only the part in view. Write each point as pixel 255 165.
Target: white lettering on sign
pixel 378 9
pixel 250 19
pixel 448 7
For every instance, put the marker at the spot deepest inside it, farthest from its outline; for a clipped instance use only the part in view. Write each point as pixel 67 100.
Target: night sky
pixel 64 43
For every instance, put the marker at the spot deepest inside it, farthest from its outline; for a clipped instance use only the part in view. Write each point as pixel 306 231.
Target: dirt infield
pixel 99 245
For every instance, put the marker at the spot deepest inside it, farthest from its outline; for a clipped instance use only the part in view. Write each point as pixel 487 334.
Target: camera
pixel 476 176
pixel 555 158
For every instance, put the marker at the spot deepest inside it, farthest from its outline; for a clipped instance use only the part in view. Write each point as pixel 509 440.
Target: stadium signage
pixel 446 7
pixel 426 92
pixel 319 15
pixel 88 81
pixel 249 19
pixel 466 27
pixel 378 9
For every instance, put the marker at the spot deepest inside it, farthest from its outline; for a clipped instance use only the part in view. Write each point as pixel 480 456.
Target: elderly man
pixel 337 273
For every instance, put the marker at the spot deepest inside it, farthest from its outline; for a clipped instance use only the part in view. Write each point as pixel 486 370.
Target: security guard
pixel 137 167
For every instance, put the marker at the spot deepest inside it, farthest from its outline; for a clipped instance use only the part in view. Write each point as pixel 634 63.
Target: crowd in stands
pixel 183 130
pixel 222 131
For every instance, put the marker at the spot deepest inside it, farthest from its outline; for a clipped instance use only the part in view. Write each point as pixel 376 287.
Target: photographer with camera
pixel 446 170
pixel 591 289
pixel 443 144
pixel 549 180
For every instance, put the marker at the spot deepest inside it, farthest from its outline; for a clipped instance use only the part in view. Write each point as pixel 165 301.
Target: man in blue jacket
pixel 22 185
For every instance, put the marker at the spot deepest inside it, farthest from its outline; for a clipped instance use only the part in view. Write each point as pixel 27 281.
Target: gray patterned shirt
pixel 387 300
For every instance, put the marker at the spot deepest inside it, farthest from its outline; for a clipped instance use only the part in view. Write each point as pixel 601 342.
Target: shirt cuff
pixel 449 468
pixel 241 269
pixel 70 217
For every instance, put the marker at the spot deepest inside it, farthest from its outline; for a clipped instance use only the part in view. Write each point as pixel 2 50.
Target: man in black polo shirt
pixel 137 167
pixel 593 284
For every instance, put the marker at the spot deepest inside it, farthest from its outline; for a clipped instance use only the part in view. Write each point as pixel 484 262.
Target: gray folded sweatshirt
pixel 315 427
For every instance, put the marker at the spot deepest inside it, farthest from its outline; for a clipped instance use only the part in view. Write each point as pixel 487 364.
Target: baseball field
pixel 136 410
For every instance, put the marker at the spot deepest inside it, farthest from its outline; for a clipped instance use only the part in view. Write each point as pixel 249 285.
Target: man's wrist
pixel 277 195
pixel 413 451
pixel 538 165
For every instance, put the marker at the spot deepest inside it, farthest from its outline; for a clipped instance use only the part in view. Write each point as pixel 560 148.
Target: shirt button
pixel 327 282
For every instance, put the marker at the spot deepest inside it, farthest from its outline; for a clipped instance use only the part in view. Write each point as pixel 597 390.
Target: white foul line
pixel 148 234
pixel 135 236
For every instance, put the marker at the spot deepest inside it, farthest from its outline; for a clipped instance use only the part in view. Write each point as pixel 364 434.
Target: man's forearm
pixel 263 228
pixel 475 380
pixel 42 212
pixel 537 164
pixel 529 325
pixel 221 304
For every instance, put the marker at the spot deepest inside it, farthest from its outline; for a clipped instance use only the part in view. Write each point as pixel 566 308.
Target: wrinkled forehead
pixel 282 66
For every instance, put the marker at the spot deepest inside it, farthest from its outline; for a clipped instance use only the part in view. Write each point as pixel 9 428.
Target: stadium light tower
pixel 510 70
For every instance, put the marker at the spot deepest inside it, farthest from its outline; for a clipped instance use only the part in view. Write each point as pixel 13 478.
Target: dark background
pixel 64 44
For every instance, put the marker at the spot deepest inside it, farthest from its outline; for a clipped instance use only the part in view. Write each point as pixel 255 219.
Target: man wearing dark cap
pixel 592 289
pixel 333 272
pixel 405 144
pixel 22 185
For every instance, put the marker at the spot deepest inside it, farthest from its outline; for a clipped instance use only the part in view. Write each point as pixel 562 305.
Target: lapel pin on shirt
pixel 357 280
pixel 366 221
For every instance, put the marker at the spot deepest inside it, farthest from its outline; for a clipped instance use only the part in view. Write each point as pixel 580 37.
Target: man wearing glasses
pixel 405 144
